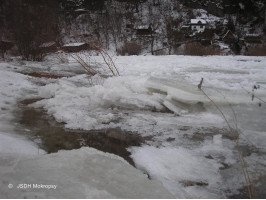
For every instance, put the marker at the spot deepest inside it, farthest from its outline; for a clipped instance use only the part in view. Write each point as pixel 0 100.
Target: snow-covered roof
pixel 81 9
pixel 252 35
pixel 225 21
pixel 142 27
pixel 6 41
pixel 76 44
pixel 47 44
pixel 196 21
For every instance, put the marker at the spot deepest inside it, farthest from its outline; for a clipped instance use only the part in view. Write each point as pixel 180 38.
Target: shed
pixel 76 47
pixel 253 39
pixel 48 47
pixel 144 30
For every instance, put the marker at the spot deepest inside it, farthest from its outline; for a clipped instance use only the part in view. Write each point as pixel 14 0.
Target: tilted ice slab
pixel 83 173
pixel 190 94
pixel 125 102
pixel 117 101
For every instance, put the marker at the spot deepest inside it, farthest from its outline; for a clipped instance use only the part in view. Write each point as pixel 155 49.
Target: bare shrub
pixel 84 59
pixel 4 47
pixel 62 57
pixel 195 49
pixel 160 52
pixel 256 51
pixel 130 48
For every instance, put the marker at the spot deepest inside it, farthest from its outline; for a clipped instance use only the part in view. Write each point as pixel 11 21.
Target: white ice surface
pixel 83 173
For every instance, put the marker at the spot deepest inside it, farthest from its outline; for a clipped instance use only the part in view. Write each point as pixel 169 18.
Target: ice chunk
pixel 83 173
pixel 184 172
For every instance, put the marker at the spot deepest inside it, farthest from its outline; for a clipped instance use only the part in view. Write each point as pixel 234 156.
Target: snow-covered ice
pixel 83 173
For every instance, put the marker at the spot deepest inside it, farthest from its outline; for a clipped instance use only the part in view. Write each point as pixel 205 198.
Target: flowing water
pixel 52 136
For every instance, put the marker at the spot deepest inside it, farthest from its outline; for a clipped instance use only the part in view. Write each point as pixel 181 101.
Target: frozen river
pixel 190 148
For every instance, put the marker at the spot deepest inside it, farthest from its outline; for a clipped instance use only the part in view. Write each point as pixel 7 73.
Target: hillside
pixel 140 26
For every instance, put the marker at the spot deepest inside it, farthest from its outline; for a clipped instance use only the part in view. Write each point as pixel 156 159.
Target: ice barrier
pixel 119 99
pixel 184 94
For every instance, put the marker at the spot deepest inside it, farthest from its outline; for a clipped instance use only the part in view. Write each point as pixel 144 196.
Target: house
pixel 48 47
pixel 229 37
pixel 144 30
pixel 81 11
pixel 253 39
pixel 76 47
pixel 198 25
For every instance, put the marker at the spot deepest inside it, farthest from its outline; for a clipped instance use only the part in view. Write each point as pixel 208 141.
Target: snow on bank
pixel 13 146
pixel 13 86
pixel 83 173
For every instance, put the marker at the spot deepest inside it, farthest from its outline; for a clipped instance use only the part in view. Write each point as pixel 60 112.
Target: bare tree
pixel 31 24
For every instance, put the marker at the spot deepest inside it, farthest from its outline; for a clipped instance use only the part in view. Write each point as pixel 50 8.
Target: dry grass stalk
pixel 253 95
pixel 96 46
pixel 235 133
pixel 85 64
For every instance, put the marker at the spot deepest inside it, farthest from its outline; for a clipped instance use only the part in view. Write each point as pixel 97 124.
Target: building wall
pixel 198 28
